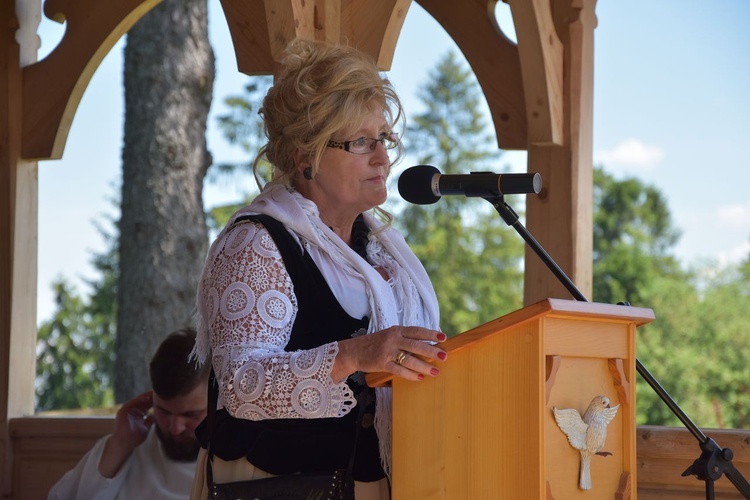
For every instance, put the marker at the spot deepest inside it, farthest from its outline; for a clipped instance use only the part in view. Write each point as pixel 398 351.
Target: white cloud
pixel 735 219
pixel 631 153
pixel 736 216
pixel 735 255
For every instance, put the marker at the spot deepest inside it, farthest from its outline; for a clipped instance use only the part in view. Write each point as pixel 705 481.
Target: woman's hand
pixel 391 350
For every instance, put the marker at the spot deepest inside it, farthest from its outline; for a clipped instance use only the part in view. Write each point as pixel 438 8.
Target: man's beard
pixel 178 451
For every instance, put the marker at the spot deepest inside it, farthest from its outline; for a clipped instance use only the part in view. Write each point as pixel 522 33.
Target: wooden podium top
pixel 547 307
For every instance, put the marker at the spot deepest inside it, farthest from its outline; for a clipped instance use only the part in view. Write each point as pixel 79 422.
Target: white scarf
pixel 412 289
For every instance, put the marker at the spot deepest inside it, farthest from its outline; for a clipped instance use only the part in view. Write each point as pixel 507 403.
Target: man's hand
pixel 132 424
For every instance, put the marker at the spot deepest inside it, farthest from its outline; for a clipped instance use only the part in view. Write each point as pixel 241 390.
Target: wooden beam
pixel 45 448
pixel 374 27
pixel 53 87
pixel 248 28
pixel 561 217
pixel 542 70
pixel 664 453
pixel 287 20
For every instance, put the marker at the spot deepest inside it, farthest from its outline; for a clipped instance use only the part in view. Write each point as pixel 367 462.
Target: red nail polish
pixel 420 377
pixel 441 336
pixel 434 372
pixel 442 355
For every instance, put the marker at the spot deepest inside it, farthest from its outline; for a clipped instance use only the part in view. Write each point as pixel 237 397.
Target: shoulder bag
pixel 333 485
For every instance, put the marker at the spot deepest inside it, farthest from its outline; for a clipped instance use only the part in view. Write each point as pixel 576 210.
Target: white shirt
pixel 147 473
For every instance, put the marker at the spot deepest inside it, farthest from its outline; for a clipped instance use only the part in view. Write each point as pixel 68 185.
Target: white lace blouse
pixel 248 298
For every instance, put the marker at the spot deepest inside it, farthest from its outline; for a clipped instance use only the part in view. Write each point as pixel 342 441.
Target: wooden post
pixel 561 218
pixel 18 250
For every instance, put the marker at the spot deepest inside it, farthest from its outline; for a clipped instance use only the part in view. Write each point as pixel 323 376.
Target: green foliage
pixel 472 258
pixel 663 349
pixel 243 127
pixel 75 349
pixel 721 341
pixel 451 133
pixel 633 235
pixel 219 216
pixel 696 347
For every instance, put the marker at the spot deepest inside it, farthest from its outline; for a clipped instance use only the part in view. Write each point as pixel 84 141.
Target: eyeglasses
pixel 366 145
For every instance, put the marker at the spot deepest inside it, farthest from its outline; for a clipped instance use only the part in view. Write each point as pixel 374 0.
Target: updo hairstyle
pixel 322 90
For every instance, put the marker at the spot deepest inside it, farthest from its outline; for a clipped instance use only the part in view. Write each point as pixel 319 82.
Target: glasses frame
pixel 389 141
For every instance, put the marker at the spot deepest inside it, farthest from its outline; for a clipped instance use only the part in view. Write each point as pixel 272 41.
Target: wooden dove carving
pixel 587 434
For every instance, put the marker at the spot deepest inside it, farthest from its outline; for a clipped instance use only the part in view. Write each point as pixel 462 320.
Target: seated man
pixel 139 459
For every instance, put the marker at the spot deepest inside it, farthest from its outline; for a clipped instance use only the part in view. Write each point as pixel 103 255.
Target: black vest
pixel 284 446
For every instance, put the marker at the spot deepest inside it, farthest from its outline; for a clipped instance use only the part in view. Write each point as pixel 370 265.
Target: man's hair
pixel 172 372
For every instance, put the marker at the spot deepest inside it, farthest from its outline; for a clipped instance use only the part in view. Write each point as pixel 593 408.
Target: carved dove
pixel 587 434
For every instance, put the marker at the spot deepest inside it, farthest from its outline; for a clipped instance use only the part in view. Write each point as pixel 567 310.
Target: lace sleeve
pixel 248 298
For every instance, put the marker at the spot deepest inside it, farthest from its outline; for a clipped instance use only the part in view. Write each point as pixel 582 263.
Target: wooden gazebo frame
pixel 539 91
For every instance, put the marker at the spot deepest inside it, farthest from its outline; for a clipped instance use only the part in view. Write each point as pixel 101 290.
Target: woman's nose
pixel 380 154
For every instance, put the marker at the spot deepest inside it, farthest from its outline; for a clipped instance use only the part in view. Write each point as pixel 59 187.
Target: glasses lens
pixel 360 146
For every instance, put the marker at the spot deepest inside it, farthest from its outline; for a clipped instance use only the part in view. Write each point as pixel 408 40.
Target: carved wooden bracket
pixel 553 365
pixel 541 53
pixel 620 381
pixel 261 29
pixel 624 487
pixel 52 88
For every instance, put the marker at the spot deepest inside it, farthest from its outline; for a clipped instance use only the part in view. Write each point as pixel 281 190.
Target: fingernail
pixel 442 355
pixel 420 376
pixel 434 372
pixel 441 336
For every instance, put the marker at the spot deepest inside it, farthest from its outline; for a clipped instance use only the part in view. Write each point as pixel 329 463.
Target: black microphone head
pixel 415 184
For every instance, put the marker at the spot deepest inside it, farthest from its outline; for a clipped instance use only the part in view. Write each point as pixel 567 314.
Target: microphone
pixel 424 184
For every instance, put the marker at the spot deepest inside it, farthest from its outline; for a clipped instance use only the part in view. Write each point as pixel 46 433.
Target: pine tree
pixel 473 259
pixel 168 80
pixel 76 348
pixel 633 238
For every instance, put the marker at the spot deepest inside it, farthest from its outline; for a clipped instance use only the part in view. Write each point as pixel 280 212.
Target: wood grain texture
pixel 93 28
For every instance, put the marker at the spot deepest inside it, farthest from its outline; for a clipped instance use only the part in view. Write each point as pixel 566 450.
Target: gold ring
pixel 401 357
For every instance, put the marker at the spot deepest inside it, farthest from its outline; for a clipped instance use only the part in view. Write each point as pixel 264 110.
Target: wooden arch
pixel 539 91
pixel 261 29
pixel 94 27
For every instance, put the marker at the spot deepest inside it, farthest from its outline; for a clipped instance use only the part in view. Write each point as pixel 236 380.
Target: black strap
pixel 213 401
pixel 277 231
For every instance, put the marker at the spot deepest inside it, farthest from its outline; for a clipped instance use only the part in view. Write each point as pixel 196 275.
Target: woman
pixel 294 308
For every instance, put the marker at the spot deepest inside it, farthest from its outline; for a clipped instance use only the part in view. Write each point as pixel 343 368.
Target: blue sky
pixel 671 107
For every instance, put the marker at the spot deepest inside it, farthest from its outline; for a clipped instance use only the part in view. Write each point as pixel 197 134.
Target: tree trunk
pixel 168 80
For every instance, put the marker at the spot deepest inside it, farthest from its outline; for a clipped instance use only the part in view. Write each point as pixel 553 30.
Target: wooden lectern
pixel 485 429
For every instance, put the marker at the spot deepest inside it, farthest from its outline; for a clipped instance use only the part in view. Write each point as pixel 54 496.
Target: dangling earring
pixel 307 173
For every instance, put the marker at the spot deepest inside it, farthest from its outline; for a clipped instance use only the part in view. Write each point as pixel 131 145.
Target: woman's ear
pixel 302 164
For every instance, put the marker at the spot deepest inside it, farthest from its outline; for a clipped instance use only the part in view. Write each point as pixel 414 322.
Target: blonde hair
pixel 321 90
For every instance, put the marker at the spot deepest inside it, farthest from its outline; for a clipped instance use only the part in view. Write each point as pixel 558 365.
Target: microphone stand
pixel 714 460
